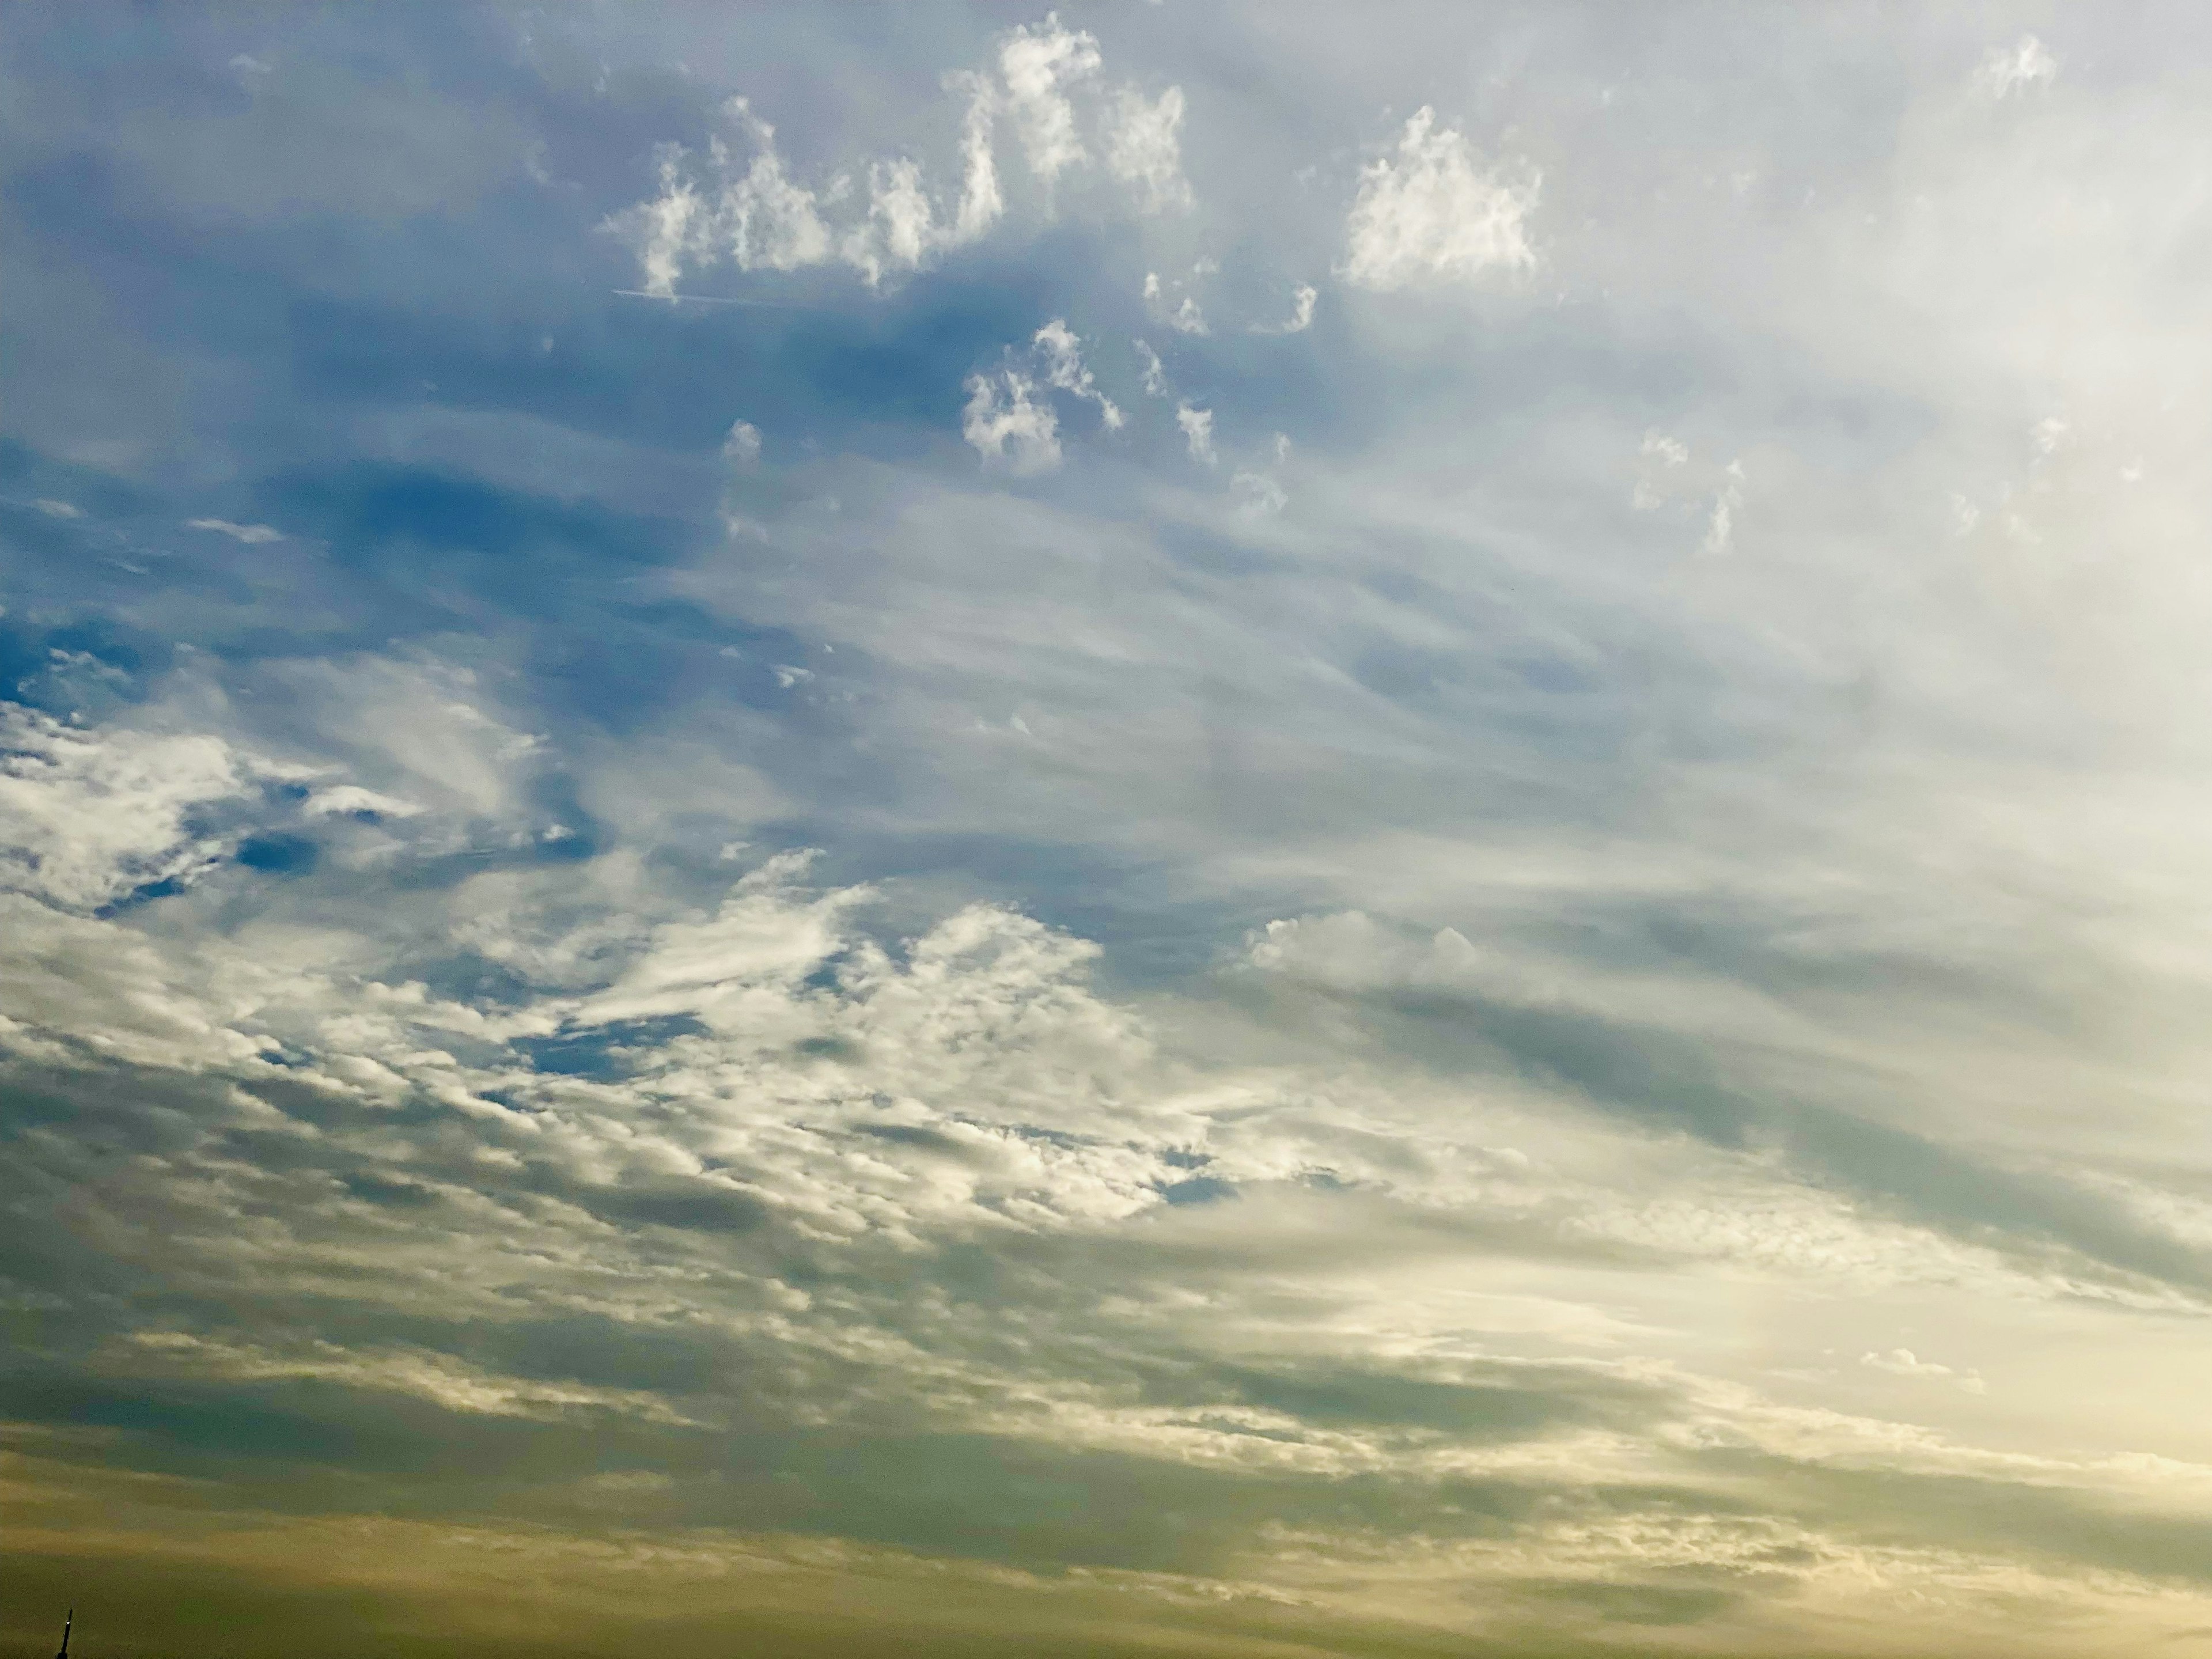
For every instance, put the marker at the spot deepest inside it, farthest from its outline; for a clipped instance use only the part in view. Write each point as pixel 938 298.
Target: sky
pixel 1215 830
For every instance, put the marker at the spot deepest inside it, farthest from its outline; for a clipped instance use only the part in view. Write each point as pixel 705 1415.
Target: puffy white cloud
pixel 670 230
pixel 765 219
pixel 1302 313
pixel 1197 426
pixel 54 509
pixel 743 446
pixel 86 817
pixel 899 232
pixel 1184 315
pixel 762 218
pixel 982 200
pixel 1009 425
pixel 1064 369
pixel 1143 148
pixel 1039 65
pixel 1437 213
pixel 2025 64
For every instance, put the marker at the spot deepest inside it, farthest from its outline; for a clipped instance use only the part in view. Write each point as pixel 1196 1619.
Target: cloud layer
pixel 1035 837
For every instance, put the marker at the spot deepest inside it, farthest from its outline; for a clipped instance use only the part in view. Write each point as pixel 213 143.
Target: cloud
pixel 982 200
pixel 1402 1043
pixel 86 819
pixel 1262 491
pixel 1436 213
pixel 742 446
pixel 1197 426
pixel 253 535
pixel 1720 529
pixel 1008 425
pixel 1901 1362
pixel 1302 313
pixel 1155 381
pixel 1184 316
pixel 1039 65
pixel 1143 148
pixel 1064 370
pixel 54 509
pixel 757 216
pixel 766 220
pixel 2016 69
pixel 352 800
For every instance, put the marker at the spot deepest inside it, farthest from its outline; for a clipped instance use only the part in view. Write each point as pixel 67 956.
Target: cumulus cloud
pixel 1009 425
pixel 982 200
pixel 54 509
pixel 2019 68
pixel 86 818
pixel 1302 313
pixel 1009 421
pixel 766 220
pixel 1197 426
pixel 742 446
pixel 1039 64
pixel 1143 148
pixel 751 211
pixel 1182 313
pixel 1436 212
pixel 1064 369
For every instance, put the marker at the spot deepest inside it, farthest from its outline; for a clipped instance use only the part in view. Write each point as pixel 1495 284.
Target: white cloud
pixel 54 509
pixel 1261 491
pixel 742 446
pixel 2018 68
pixel 1302 313
pixel 668 229
pixel 253 535
pixel 1436 213
pixel 348 799
pixel 1197 426
pixel 1155 372
pixel 982 200
pixel 766 220
pixel 899 232
pixel 1039 65
pixel 1143 148
pixel 1902 1362
pixel 86 817
pixel 1008 425
pixel 1063 368
pixel 1184 316
pixel 1720 529
pixel 762 218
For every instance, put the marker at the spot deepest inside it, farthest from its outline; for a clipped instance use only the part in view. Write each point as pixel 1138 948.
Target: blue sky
pixel 1163 829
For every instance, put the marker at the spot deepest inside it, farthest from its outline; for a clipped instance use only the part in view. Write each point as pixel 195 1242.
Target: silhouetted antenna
pixel 66 1624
